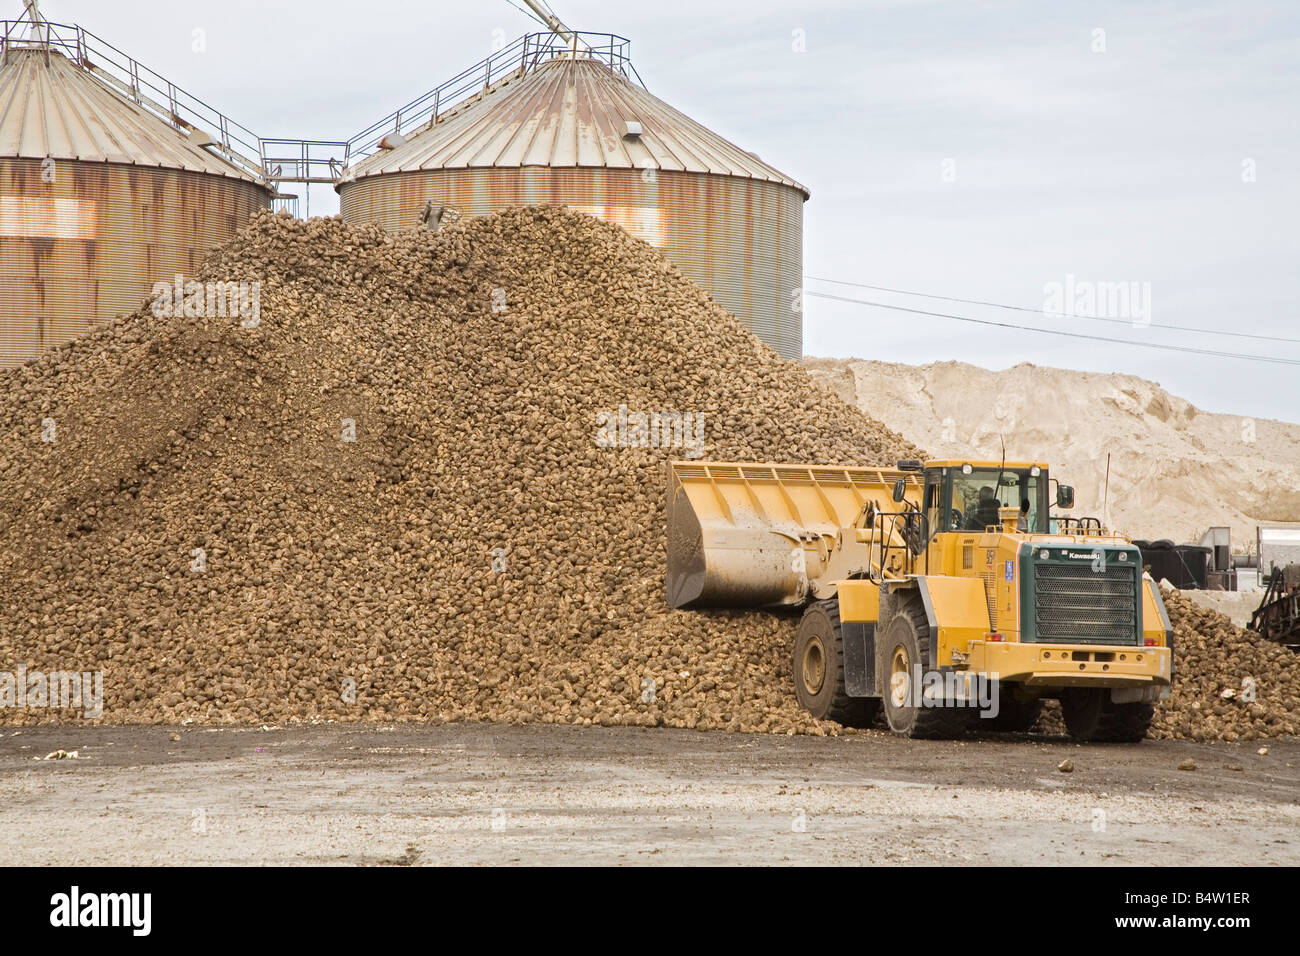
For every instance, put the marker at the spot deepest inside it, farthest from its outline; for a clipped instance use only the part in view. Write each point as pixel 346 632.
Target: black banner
pixel 333 905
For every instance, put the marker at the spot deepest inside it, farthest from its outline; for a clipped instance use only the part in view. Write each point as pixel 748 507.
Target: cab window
pixel 978 497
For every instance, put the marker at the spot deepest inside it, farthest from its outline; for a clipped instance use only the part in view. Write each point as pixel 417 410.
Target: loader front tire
pixel 819 669
pixel 1014 716
pixel 906 653
pixel 1090 715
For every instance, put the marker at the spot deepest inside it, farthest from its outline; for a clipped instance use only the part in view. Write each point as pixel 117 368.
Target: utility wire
pixel 529 14
pixel 1091 318
pixel 1073 335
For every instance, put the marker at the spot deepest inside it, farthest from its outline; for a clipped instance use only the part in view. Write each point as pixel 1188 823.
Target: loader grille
pixel 1075 604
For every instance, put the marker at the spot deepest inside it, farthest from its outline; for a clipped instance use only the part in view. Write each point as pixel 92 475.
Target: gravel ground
pixel 484 794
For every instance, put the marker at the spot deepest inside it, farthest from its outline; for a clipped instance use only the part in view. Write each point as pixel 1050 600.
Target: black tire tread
pixel 846 710
pixel 1125 723
pixel 1014 716
pixel 932 723
pixel 1114 723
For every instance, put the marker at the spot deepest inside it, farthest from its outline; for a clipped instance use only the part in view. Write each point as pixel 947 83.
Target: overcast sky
pixel 1000 151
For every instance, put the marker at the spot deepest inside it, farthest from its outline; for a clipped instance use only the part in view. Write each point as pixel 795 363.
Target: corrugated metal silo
pixel 99 199
pixel 574 130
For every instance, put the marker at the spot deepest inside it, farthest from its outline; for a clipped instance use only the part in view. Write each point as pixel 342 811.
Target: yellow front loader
pixel 944 593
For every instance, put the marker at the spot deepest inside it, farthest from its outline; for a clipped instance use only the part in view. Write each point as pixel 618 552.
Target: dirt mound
pixel 393 497
pixel 1175 470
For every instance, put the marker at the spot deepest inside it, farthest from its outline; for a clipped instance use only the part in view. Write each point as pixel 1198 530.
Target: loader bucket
pixel 755 535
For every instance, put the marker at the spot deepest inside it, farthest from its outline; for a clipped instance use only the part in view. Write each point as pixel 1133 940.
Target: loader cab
pixel 967 496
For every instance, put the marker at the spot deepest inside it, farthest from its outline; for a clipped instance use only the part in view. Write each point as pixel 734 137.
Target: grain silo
pixel 567 123
pixel 100 197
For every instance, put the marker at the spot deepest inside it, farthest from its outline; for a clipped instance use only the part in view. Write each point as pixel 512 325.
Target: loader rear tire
pixel 1090 715
pixel 819 669
pixel 905 652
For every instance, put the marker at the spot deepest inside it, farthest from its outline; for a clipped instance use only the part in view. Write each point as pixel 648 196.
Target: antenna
pixel 1105 498
pixel 1002 467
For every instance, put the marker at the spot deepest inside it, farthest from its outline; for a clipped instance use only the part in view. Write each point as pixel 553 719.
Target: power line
pixel 528 13
pixel 1090 318
pixel 1073 335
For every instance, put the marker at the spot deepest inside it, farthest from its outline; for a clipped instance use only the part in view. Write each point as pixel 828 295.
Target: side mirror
pixel 900 489
pixel 1064 496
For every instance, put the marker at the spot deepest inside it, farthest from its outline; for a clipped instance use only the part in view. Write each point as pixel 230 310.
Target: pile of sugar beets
pixel 390 496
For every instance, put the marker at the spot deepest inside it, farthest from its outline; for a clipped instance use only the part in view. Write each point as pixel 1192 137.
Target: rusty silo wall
pixel 741 240
pixel 89 245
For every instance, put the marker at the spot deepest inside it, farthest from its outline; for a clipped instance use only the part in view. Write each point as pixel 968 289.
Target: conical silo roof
pixel 51 108
pixel 569 112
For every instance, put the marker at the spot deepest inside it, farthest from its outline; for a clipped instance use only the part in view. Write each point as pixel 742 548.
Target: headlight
pixel 966 469
pixel 1035 472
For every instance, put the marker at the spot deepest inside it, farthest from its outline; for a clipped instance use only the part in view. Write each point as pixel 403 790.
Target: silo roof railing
pixel 185 112
pixel 324 161
pixel 511 62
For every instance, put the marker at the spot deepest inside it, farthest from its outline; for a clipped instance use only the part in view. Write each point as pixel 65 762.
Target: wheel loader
pixel 943 593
